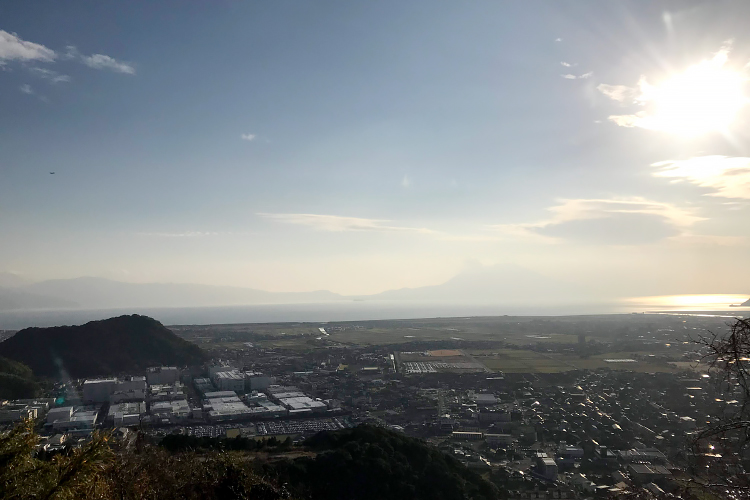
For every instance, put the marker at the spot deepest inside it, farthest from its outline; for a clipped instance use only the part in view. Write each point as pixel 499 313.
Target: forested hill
pixel 17 380
pixel 369 462
pixel 100 348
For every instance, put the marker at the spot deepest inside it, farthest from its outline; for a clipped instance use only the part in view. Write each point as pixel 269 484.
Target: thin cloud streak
pixel 337 224
pixel 570 210
pixel 579 77
pixel 728 177
pixel 48 74
pixel 102 61
pixel 186 234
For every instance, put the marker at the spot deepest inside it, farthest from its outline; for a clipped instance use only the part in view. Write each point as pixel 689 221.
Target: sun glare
pixel 705 98
pixel 689 302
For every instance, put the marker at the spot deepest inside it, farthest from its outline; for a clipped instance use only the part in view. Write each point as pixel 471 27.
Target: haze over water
pixel 374 310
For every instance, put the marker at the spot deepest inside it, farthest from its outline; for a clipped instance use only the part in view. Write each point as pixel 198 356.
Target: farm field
pixel 526 361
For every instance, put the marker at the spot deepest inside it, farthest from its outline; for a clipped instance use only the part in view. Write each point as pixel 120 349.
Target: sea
pixel 376 310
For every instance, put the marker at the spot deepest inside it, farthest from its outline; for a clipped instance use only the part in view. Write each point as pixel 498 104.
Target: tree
pixel 67 476
pixel 721 449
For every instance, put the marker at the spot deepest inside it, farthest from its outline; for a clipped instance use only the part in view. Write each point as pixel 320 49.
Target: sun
pixel 705 98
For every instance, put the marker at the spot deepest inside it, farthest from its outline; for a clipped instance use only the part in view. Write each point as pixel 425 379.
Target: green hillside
pixel 126 344
pixel 17 380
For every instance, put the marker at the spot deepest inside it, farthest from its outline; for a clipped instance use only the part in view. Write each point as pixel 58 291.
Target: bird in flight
pixel 51 173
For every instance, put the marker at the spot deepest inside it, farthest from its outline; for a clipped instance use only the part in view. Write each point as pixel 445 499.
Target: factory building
pixel 132 384
pixel 172 410
pixel 213 370
pixel 79 420
pixel 203 385
pixel 255 381
pixel 126 414
pixel 63 413
pixel 546 468
pixel 302 404
pixel 166 392
pixel 224 405
pixel 229 381
pixel 98 390
pixel 20 409
pixel 162 375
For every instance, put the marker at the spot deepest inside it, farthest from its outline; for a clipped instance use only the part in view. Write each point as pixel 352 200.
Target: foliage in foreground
pixel 98 471
pixel 361 463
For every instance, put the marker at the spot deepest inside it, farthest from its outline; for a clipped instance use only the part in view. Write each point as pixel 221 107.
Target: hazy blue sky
pixel 363 146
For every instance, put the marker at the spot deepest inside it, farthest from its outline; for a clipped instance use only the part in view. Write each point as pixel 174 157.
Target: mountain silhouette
pixel 126 344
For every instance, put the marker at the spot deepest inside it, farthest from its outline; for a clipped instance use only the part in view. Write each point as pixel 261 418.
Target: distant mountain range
pixel 506 285
pixel 100 293
pixel 100 348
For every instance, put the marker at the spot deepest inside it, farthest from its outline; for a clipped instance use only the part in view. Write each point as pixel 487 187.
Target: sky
pixel 364 146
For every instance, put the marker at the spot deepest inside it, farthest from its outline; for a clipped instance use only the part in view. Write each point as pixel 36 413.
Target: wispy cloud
pixel 406 181
pixel 102 61
pixel 26 89
pixel 336 223
pixel 14 48
pixel 98 61
pixel 584 76
pixel 576 209
pixel 619 93
pixel 185 234
pixel 613 220
pixel 48 74
pixel 728 177
pixel 248 137
pixel 566 64
pixel 339 224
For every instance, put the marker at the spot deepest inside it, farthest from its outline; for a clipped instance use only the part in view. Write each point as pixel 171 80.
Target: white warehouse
pixel 230 381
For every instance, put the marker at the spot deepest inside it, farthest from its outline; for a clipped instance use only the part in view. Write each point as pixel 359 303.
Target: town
pixel 518 410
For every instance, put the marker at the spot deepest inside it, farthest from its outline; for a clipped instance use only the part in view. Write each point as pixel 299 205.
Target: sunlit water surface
pixel 374 310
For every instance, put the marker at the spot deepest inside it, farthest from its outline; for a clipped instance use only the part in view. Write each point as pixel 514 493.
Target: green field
pixel 545 344
pixel 524 361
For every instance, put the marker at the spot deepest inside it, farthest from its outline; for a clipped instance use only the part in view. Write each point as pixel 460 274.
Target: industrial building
pixel 229 381
pixel 213 370
pixel 14 411
pixel 162 375
pixel 498 439
pixel 172 410
pixel 203 385
pixel 256 381
pixel 125 414
pixel 132 384
pixel 467 435
pixel 646 473
pixel 546 468
pixel 98 390
pixel 82 419
pixel 166 392
pixel 224 405
pixel 302 404
pixel 62 413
